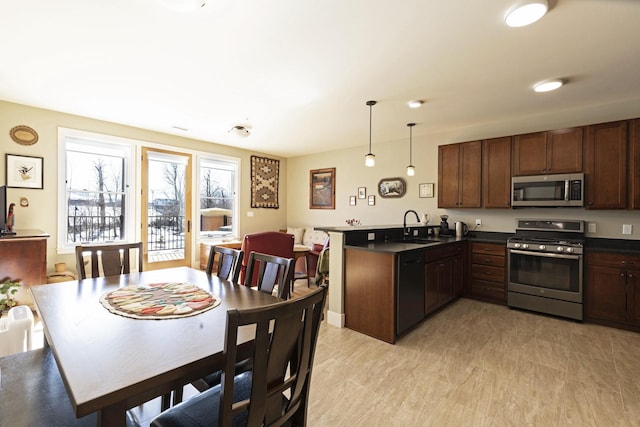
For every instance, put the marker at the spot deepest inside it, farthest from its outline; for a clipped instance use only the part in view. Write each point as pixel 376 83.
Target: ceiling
pixel 298 73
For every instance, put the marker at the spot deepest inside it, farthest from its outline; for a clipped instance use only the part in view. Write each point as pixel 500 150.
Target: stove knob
pixel 570 250
pixel 560 249
pixel 517 245
pixel 542 247
pixel 525 246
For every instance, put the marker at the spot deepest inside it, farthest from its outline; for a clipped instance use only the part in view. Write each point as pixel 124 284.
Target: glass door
pixel 166 209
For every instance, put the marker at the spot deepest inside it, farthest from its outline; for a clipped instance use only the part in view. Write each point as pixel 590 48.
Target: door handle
pixel 188 226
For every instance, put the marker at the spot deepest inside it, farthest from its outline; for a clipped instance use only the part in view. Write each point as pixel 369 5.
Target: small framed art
pixel 362 192
pixel 426 190
pixel 24 171
pixel 352 200
pixel 372 200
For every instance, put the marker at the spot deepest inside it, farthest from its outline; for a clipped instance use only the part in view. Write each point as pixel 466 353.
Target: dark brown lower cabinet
pixel 488 272
pixel 613 289
pixel 444 273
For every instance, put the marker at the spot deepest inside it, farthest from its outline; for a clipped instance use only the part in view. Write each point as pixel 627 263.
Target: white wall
pixel 391 161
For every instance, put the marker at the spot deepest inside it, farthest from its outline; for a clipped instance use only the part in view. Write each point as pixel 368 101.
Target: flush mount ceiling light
pixel 370 158
pixel 548 85
pixel 411 170
pixel 526 12
pixel 183 5
pixel 240 131
pixel 415 104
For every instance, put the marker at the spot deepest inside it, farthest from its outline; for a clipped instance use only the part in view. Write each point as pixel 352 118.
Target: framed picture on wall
pixel 24 171
pixel 372 200
pixel 392 187
pixel 426 190
pixel 322 188
pixel 362 192
pixel 352 200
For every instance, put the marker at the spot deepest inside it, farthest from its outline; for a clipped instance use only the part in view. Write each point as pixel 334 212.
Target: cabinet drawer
pixel 607 259
pixel 483 259
pixel 488 249
pixel 442 252
pixel 487 272
pixel 490 290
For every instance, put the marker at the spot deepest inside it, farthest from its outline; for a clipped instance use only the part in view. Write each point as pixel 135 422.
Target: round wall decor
pixel 24 135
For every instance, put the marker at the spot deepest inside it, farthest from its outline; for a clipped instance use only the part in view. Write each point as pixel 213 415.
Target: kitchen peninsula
pixel 390 284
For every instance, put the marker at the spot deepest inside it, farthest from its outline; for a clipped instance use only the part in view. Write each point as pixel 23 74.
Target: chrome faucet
pixel 404 224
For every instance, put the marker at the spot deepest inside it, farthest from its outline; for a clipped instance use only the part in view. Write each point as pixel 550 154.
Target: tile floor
pixel 474 364
pixel 478 364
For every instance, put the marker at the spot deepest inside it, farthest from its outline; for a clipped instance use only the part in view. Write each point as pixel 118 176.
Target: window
pixel 218 198
pixel 96 207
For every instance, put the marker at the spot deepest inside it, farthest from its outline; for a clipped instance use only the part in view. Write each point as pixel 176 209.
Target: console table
pixel 24 258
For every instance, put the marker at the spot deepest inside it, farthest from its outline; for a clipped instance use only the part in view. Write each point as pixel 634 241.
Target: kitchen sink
pixel 419 240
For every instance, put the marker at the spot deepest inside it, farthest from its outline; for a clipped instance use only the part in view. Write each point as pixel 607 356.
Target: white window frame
pixel 128 148
pixel 235 220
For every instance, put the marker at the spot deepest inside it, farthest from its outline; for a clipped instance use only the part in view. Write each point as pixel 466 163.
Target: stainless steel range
pixel 545 262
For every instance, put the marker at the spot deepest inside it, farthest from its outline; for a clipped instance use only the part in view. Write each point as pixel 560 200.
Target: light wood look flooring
pixel 479 364
pixel 471 364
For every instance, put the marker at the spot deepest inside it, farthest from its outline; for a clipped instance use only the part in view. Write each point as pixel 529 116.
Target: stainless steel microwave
pixel 547 190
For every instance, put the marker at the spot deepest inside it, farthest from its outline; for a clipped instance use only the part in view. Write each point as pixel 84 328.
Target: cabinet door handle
pixel 487 273
pixel 623 262
pixel 630 276
pixel 487 261
pixel 622 274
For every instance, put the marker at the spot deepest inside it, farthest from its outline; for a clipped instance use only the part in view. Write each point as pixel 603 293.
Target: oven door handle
pixel 548 255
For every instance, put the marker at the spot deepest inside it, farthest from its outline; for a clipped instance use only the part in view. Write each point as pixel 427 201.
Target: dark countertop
pixel 613 245
pixel 399 246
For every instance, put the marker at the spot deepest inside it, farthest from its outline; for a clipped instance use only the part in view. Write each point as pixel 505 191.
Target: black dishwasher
pixel 409 290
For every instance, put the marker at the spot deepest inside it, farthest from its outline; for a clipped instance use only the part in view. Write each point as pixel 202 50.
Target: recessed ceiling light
pixel 548 85
pixel 526 12
pixel 415 104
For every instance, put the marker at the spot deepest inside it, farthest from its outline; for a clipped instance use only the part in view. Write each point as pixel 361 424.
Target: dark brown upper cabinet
pixel 606 166
pixel 540 153
pixel 459 175
pixel 496 173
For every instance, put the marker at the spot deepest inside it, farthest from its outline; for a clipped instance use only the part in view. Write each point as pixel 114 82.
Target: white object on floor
pixel 16 330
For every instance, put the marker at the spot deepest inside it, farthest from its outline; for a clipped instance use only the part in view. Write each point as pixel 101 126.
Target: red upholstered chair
pixel 268 242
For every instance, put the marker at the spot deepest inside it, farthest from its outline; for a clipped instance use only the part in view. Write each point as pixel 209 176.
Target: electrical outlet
pixel 371 236
pixel 478 222
pixel 591 227
pixel 627 229
pixel 415 233
pixel 249 213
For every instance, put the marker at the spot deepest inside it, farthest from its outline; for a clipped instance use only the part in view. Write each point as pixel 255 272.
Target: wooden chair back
pixel 268 271
pixel 267 242
pixel 285 340
pixel 229 262
pixel 114 259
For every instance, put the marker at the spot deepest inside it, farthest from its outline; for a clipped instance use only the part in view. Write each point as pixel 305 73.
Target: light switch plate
pixel 627 229
pixel 371 236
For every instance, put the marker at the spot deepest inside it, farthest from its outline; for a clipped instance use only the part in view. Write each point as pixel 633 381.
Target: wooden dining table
pixel 110 363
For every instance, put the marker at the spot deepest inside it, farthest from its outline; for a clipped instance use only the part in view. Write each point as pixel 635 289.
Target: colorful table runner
pixel 159 301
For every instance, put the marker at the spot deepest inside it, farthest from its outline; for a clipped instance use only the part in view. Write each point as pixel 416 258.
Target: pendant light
pixel 370 158
pixel 411 170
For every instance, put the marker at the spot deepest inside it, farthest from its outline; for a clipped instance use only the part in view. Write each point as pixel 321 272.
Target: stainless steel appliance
pixel 545 267
pixel 547 190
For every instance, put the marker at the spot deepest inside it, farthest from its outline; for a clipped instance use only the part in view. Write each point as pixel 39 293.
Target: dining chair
pixel 276 390
pixel 267 242
pixel 111 260
pixel 267 271
pixel 228 265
